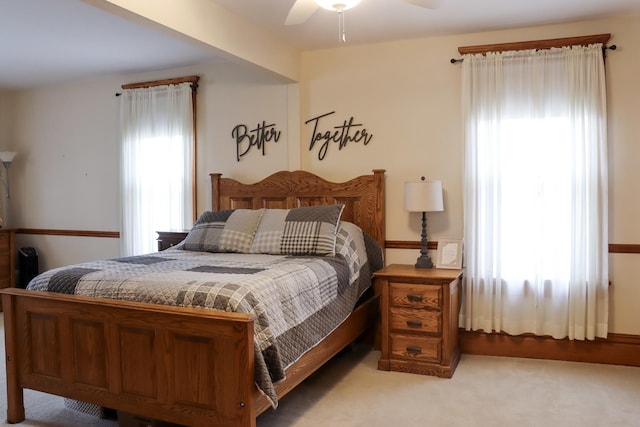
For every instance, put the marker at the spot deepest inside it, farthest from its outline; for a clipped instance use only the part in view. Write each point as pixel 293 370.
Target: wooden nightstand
pixel 419 315
pixel 166 239
pixel 7 259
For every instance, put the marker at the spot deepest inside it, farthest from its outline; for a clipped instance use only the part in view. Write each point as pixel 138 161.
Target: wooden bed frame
pixel 149 359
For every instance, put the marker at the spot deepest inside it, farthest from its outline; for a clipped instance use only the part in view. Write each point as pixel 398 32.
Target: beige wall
pixel 6 134
pixel 405 93
pixel 5 131
pixel 66 173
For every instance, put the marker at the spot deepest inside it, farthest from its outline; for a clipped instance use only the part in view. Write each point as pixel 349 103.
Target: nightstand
pixel 167 239
pixel 7 259
pixel 419 318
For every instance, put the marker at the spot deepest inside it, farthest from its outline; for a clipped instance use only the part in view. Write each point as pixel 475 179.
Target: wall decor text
pixel 341 135
pixel 256 137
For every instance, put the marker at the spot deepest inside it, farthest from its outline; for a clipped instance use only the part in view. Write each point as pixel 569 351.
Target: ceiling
pixel 379 20
pixel 52 41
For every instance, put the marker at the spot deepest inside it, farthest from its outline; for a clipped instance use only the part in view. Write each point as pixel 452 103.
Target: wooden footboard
pixel 182 365
pixel 187 366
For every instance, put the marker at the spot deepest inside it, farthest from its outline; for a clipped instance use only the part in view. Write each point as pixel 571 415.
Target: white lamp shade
pixel 423 196
pixel 337 4
pixel 7 156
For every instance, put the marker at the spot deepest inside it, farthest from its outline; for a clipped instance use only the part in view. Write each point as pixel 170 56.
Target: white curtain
pixel 156 164
pixel 535 196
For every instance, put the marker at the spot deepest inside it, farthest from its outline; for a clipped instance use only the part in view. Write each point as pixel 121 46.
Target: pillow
pixel 224 231
pixel 299 231
pixel 214 216
pixel 350 244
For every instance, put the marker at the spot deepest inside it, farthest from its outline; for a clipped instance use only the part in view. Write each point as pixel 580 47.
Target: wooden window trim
pixel 536 44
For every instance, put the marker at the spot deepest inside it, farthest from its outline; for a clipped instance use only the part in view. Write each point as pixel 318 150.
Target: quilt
pixel 297 300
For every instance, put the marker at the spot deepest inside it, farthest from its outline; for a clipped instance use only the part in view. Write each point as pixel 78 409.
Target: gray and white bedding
pixel 297 299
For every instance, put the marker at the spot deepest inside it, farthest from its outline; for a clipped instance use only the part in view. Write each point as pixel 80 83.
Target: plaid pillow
pixel 214 216
pixel 300 231
pixel 224 231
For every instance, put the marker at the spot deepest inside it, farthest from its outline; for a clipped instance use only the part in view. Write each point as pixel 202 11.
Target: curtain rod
pixel 604 49
pixel 166 82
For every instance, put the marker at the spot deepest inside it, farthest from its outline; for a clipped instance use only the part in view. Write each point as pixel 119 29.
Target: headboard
pixel 362 196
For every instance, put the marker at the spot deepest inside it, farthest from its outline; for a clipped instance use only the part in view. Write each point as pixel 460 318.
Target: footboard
pixel 134 357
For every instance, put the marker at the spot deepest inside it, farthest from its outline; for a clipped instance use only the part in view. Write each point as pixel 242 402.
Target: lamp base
pixel 424 261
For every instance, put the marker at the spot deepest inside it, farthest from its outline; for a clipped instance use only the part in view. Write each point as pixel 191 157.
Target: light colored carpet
pixel 485 392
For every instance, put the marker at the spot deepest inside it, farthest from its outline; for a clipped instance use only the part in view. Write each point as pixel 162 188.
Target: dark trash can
pixel 27 265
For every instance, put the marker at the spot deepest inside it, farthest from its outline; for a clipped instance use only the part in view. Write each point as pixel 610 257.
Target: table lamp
pixel 423 196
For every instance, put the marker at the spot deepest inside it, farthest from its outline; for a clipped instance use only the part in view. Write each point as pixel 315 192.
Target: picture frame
pixel 449 254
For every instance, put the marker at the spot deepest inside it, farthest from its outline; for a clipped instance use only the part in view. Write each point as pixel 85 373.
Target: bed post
pixel 215 191
pixel 15 393
pixel 378 176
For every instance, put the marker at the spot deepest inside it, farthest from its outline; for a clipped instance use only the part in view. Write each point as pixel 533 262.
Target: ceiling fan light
pixel 337 4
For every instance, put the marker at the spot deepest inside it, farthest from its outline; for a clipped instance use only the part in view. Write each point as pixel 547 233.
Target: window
pixel 157 129
pixel 535 198
pixel 536 192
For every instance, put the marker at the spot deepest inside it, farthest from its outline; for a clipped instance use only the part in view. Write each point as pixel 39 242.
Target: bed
pixel 149 359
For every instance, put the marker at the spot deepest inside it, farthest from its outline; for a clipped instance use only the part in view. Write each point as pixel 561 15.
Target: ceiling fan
pixel 302 10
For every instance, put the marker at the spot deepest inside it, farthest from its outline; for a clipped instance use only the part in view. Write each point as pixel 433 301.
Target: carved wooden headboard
pixel 363 197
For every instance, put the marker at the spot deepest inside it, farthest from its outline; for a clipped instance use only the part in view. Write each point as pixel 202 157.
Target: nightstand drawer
pixel 4 243
pixel 5 265
pixel 415 347
pixel 413 320
pixel 408 295
pixel 7 259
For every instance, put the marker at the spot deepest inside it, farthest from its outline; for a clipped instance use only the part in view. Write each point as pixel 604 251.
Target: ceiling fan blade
pixel 301 11
pixel 427 4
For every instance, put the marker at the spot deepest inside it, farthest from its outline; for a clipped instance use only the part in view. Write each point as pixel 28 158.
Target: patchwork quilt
pixel 297 300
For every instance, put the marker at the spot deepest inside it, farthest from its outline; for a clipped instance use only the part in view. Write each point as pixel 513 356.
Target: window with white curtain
pixel 157 136
pixel 535 193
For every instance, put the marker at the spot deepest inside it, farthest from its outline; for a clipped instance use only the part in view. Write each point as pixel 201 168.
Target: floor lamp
pixel 423 196
pixel 6 157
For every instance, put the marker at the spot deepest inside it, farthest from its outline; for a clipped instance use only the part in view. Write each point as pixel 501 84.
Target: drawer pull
pixel 414 323
pixel 414 350
pixel 414 297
